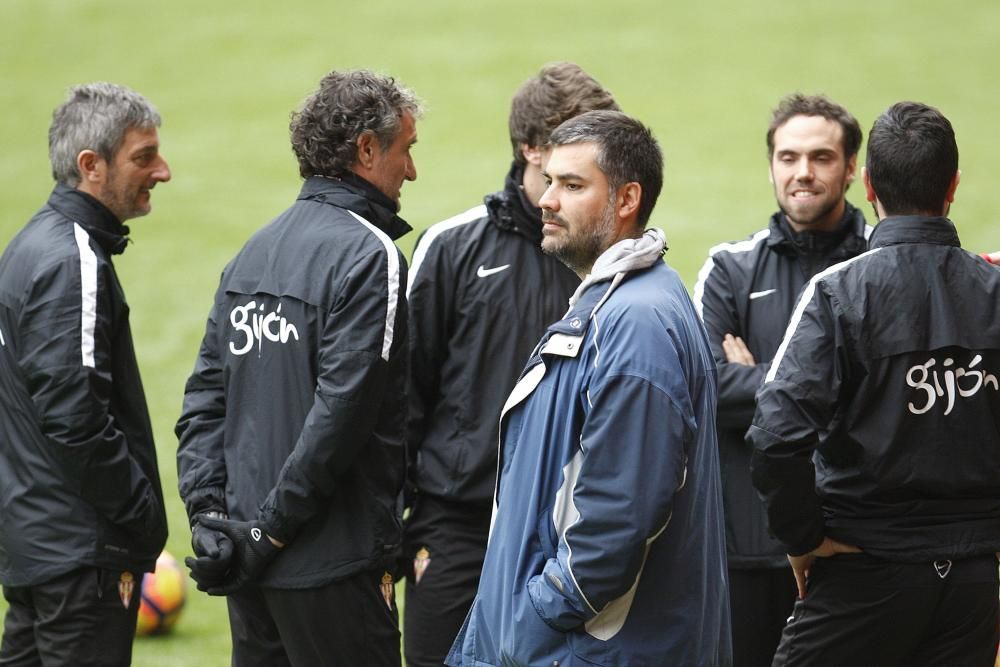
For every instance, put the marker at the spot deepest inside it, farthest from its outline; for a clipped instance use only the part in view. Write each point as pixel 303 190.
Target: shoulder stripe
pixel 800 307
pixel 745 245
pixel 392 288
pixel 88 295
pixel 434 231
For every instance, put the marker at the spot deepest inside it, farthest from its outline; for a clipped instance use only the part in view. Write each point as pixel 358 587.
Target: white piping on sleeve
pixel 745 245
pixel 392 286
pixel 88 295
pixel 800 307
pixel 436 230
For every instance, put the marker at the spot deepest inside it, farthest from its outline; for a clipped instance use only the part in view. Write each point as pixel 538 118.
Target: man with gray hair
pixel 291 436
pixel 81 508
pixel 606 545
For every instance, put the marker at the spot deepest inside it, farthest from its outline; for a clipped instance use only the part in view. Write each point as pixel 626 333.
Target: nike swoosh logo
pixel 482 271
pixel 757 295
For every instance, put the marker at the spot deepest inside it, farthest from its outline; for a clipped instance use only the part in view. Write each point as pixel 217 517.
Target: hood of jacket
pixel 625 256
pixel 354 193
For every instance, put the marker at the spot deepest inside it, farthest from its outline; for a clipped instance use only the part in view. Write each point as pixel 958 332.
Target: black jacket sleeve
pixel 353 370
pixel 794 407
pixel 67 331
pixel 738 384
pixel 201 466
pixel 431 297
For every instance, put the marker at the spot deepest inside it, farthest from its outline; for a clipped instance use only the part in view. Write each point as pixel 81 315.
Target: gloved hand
pixel 214 551
pixel 252 552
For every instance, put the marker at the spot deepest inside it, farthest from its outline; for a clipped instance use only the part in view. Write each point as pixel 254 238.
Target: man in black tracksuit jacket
pixel 481 294
pixel 877 433
pixel 81 508
pixel 745 294
pixel 293 420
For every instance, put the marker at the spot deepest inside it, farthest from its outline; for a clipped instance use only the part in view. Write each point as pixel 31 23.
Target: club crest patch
pixel 420 563
pixel 126 585
pixel 388 590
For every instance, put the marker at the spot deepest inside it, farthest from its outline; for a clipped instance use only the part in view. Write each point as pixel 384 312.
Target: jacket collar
pixel 96 218
pixel 510 209
pixel 351 192
pixel 895 230
pixel 849 239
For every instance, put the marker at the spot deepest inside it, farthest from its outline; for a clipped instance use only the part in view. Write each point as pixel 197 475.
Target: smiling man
pixel 876 441
pixel 291 437
pixel 745 294
pixel 607 546
pixel 81 507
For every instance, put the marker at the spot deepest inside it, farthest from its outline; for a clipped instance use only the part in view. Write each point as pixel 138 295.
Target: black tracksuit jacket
pixel 889 374
pixel 295 412
pixel 482 293
pixel 79 484
pixel 749 289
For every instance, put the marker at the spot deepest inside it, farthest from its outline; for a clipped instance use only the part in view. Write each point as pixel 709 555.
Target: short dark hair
pixel 347 104
pixel 627 152
pixel 95 116
pixel 912 159
pixel 798 104
pixel 560 91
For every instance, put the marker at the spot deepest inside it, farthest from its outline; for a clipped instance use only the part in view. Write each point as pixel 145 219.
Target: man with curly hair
pixel 291 437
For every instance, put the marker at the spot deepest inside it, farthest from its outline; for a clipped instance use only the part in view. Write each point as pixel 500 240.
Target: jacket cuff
pixel 275 526
pixel 552 605
pixel 206 499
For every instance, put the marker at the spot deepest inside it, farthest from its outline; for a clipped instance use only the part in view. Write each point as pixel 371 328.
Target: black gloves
pixel 252 552
pixel 214 551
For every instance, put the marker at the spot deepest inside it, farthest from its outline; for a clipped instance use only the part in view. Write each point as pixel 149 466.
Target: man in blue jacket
pixel 607 541
pixel 877 432
pixel 481 292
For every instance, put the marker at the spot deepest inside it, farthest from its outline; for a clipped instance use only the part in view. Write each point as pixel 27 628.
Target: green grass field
pixel 225 76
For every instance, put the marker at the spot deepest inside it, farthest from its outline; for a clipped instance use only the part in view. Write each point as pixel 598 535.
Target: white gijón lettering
pixel 947 383
pixel 252 324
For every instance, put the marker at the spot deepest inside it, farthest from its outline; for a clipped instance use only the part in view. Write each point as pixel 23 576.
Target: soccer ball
pixel 163 595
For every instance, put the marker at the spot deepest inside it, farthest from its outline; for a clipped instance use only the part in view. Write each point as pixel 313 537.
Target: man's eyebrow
pixel 568 176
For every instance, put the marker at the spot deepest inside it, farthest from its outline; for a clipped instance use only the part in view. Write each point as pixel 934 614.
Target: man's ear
pixel 852 166
pixel 367 145
pixel 869 190
pixel 532 154
pixel 92 167
pixel 950 196
pixel 629 198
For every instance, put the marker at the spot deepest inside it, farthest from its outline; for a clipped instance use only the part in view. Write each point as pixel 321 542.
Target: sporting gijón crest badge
pixel 388 590
pixel 420 563
pixel 126 585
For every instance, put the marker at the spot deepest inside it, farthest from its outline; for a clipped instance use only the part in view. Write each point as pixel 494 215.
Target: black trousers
pixel 444 548
pixel 761 601
pixel 78 618
pixel 344 623
pixel 861 610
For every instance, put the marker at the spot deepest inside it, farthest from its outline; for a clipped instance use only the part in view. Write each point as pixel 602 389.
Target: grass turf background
pixel 225 76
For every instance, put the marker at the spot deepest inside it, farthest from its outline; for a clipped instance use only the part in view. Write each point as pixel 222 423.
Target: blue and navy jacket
pixel 607 542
